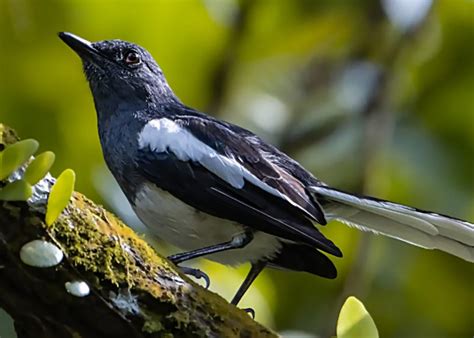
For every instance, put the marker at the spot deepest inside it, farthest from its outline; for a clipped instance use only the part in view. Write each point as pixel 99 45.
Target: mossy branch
pixel 134 292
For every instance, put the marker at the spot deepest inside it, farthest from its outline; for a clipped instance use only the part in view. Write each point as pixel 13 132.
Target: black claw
pixel 250 311
pixel 196 273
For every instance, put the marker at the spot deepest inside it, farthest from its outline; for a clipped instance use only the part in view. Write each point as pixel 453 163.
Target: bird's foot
pixel 196 273
pixel 250 311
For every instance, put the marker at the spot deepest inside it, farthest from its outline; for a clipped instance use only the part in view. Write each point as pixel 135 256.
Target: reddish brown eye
pixel 132 58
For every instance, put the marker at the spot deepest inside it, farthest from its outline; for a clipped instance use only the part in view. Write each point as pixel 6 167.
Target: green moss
pixel 152 323
pixel 103 245
pixel 7 136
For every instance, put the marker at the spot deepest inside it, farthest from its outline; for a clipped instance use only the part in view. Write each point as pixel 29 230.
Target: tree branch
pixel 134 292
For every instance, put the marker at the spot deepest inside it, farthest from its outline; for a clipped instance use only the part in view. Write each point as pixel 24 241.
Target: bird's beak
pixel 82 47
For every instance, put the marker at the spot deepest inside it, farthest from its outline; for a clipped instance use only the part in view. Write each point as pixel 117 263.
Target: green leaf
pixel 15 155
pixel 16 191
pixel 354 321
pixel 39 167
pixel 60 195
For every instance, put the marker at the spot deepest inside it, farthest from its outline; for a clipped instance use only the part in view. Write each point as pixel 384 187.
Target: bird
pixel 216 190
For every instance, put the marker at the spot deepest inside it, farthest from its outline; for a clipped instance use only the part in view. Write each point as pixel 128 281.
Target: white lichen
pixel 125 301
pixel 77 288
pixel 41 254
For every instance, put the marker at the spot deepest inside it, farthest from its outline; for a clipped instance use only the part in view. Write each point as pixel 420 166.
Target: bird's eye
pixel 132 58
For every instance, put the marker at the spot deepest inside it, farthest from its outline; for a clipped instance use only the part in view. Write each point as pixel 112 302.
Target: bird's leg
pixel 237 242
pixel 253 273
pixel 196 273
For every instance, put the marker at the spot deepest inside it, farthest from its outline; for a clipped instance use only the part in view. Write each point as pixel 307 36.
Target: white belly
pixel 189 229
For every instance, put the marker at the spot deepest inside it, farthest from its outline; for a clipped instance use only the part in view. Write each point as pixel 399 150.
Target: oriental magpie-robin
pixel 217 190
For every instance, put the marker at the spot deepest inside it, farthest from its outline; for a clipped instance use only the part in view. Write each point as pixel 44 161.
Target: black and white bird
pixel 217 190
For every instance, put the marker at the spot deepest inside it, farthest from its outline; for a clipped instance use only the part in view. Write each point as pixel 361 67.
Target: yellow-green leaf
pixel 16 191
pixel 39 167
pixel 354 321
pixel 15 155
pixel 60 195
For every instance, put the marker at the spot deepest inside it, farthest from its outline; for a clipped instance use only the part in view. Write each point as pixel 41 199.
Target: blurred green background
pixel 371 96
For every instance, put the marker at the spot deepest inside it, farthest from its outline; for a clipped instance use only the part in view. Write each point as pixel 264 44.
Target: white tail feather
pixel 424 229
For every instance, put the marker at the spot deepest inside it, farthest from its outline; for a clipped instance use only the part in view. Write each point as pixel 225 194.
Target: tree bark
pixel 134 292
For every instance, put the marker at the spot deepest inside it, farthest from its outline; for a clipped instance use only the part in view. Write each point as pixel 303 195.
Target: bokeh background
pixel 373 96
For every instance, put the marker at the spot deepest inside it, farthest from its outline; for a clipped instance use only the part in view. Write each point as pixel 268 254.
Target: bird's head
pixel 120 73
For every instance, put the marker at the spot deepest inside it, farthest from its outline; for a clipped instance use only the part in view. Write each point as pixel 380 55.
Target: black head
pixel 119 73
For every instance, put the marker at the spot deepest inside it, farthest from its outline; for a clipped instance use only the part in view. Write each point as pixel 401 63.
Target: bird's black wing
pixel 224 172
pixel 264 161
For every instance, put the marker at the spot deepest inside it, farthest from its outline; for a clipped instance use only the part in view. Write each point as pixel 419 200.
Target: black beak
pixel 82 47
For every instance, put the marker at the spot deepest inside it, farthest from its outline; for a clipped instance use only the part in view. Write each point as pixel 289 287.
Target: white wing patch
pixel 166 135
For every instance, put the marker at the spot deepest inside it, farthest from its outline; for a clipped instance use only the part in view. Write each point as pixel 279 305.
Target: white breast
pixel 187 228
